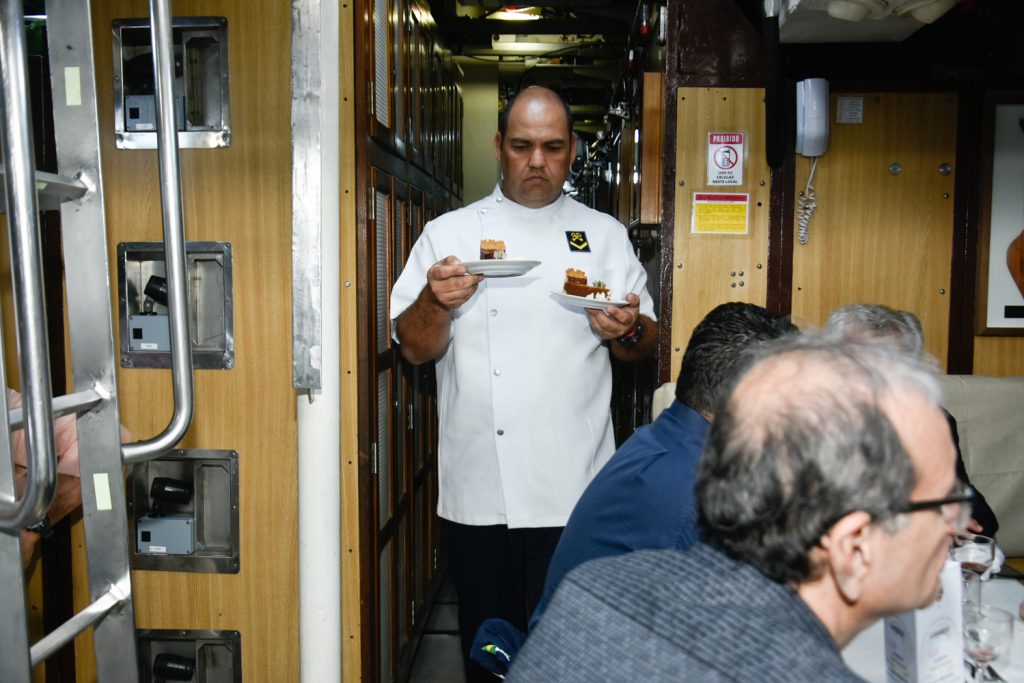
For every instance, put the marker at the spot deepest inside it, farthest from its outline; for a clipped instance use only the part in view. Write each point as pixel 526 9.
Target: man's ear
pixel 847 549
pixel 497 146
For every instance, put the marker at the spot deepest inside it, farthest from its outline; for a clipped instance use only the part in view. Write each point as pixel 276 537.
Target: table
pixel 866 653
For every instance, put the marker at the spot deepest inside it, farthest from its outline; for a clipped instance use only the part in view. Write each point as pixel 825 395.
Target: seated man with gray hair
pixel 872 322
pixel 827 493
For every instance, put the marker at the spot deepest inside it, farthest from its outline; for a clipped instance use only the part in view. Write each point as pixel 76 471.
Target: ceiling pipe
pixel 774 102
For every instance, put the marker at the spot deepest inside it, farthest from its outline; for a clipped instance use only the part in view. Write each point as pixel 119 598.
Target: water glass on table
pixel 988 632
pixel 970 592
pixel 973 551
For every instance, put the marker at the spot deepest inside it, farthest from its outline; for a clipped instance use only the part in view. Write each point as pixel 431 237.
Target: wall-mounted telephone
pixel 811 141
pixel 812 117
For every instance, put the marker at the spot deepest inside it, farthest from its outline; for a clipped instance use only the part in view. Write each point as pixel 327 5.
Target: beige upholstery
pixel 989 414
pixel 663 397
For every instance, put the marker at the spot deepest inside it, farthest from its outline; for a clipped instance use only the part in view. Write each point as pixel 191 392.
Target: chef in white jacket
pixel 523 372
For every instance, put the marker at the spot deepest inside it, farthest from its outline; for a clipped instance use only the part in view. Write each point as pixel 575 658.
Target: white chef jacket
pixel 524 385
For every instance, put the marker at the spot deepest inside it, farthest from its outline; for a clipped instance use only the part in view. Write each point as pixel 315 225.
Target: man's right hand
pixel 449 283
pixel 424 327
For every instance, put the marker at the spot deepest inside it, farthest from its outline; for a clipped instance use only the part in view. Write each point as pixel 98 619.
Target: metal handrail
pixel 174 243
pixel 69 404
pixel 27 275
pixel 67 631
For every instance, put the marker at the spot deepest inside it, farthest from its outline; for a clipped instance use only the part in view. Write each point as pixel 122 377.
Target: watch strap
pixel 42 527
pixel 632 337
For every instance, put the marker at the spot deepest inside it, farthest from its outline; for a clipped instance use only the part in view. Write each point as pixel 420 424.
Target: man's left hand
pixel 616 321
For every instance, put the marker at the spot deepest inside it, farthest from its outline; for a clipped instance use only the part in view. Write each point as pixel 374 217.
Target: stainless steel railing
pixel 27 276
pixel 174 244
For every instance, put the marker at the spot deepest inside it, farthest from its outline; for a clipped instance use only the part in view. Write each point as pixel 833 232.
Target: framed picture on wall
pixel 1001 251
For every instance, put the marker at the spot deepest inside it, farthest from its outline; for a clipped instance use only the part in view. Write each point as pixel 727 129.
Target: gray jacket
pixel 664 615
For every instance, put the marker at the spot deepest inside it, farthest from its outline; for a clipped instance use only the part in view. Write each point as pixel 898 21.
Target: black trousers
pixel 497 572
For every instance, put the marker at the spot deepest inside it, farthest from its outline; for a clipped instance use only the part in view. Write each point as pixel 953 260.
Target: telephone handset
pixel 812 117
pixel 811 141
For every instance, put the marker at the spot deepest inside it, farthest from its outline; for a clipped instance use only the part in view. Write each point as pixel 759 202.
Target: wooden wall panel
pixel 240 194
pixel 351 572
pixel 652 147
pixel 999 356
pixel 877 237
pixel 706 268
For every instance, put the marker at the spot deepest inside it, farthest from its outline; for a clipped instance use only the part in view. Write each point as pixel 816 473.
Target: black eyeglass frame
pixel 966 497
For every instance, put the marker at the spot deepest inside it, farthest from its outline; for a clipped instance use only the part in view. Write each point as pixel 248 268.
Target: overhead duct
pixel 856 21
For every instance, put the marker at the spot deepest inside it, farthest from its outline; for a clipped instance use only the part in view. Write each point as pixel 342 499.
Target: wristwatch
pixel 632 338
pixel 42 527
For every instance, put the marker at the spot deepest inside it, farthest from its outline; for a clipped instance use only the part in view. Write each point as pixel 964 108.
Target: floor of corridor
pixel 438 658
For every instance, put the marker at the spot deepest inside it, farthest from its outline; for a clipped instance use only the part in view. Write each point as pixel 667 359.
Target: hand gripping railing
pixel 27 274
pixel 174 243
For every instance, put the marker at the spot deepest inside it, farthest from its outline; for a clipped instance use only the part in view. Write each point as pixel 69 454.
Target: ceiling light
pixel 533 44
pixel 514 13
pixel 925 11
pixel 855 10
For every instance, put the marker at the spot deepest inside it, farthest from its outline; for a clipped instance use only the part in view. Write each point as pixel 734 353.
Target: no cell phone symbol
pixel 726 157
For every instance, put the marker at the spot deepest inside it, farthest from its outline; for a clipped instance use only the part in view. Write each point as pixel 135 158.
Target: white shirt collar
pixel 544 213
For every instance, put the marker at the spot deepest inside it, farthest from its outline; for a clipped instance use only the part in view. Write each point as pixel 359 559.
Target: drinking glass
pixel 973 551
pixel 970 596
pixel 988 632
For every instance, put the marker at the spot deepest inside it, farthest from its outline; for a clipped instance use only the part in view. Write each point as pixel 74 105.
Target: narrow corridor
pixel 438 658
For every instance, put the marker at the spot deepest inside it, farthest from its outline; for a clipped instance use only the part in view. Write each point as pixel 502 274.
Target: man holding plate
pixel 523 380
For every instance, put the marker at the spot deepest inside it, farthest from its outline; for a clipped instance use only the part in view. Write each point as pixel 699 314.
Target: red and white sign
pixel 725 158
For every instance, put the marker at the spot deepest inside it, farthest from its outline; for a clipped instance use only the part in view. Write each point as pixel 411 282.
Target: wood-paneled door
pixel 386 448
pixel 408 175
pixel 710 269
pixel 882 231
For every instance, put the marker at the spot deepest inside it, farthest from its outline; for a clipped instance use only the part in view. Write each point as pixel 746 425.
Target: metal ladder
pixel 77 190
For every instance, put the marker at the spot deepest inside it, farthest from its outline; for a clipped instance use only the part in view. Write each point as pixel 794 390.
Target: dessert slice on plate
pixel 576 284
pixel 492 250
pixel 494 261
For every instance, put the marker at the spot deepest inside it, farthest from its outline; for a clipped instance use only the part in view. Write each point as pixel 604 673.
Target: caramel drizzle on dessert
pixel 576 284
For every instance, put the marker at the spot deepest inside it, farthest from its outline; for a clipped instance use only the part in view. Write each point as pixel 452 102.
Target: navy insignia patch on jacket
pixel 577 240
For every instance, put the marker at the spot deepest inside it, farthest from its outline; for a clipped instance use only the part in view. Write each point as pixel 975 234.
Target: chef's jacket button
pixel 500 432
pixel 494 312
pixel 500 199
pixel 497 371
pixel 483 212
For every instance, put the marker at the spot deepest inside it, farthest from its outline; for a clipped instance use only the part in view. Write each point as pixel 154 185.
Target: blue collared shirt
pixel 642 499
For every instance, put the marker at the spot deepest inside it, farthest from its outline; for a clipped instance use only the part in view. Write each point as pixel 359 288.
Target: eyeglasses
pixel 955 508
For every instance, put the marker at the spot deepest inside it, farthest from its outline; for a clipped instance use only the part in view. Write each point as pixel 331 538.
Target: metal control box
pixel 165 535
pixel 202 103
pixel 171 654
pixel 149 333
pixel 142 299
pixel 194 532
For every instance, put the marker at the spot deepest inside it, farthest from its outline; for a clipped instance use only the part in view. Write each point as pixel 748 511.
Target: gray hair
pixel 875 321
pixel 803 439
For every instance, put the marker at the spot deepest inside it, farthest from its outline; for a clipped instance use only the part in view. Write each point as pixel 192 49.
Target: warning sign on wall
pixel 720 213
pixel 725 158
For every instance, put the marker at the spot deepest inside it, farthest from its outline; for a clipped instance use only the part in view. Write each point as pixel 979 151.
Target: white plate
pixel 500 267
pixel 584 302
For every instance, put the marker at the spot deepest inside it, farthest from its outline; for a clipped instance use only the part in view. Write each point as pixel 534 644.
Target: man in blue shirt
pixel 644 496
pixel 827 494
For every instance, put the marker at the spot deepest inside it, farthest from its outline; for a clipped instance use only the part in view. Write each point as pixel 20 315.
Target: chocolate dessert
pixel 576 284
pixel 492 250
